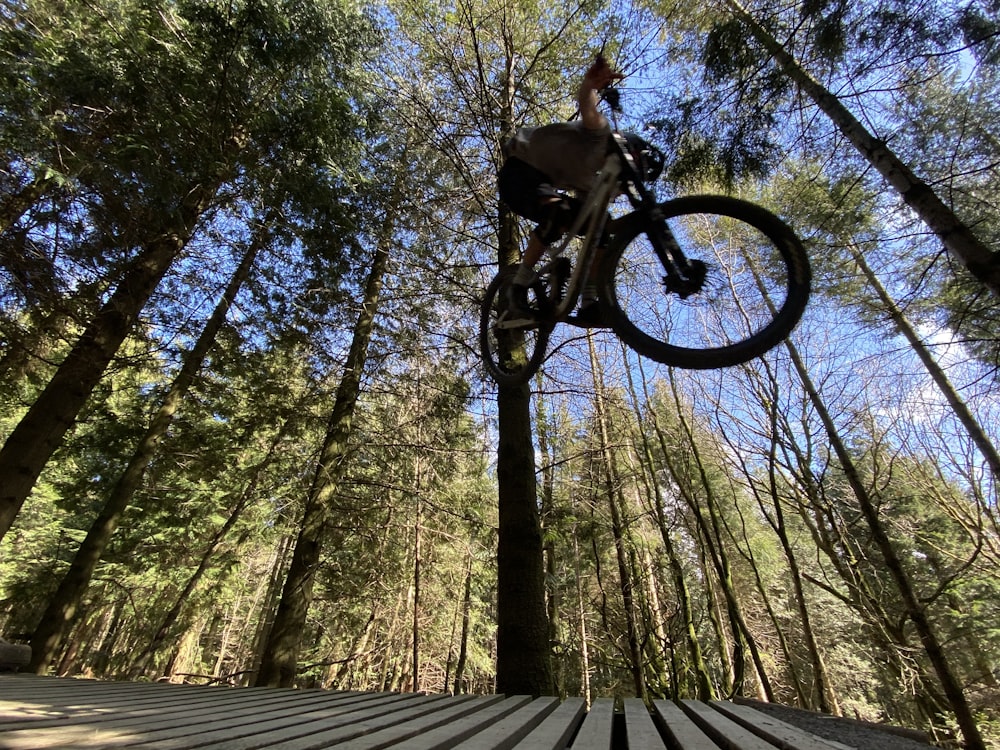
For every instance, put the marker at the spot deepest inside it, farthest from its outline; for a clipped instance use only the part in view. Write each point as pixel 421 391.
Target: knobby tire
pixel 755 292
pixel 511 356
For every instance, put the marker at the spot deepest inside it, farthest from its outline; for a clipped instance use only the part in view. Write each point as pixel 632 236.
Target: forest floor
pixel 851 732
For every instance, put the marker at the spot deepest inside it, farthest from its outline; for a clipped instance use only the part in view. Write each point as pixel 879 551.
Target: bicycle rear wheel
pixel 511 355
pixel 755 289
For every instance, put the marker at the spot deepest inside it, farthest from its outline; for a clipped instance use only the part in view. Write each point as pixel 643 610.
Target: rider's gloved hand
pixel 600 74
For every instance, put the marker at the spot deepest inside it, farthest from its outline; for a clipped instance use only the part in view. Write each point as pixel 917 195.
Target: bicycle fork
pixel 683 276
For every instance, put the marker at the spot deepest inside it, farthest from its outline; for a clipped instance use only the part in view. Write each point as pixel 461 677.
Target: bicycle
pixel 697 282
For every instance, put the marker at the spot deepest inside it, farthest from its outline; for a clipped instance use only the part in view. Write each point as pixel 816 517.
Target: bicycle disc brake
pixel 690 283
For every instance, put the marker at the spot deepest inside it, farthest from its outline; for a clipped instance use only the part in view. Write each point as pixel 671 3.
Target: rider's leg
pixel 525 273
pixel 592 279
pixel 589 313
pixel 553 211
pixel 517 292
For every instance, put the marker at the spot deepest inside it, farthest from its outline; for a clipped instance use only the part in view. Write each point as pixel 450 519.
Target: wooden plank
pixel 457 728
pixel 70 692
pixel 639 727
pixel 187 705
pixel 683 732
pixel 219 722
pixel 391 729
pixel 596 730
pixel 225 702
pixel 504 734
pixel 69 736
pixel 232 719
pixel 558 728
pixel 73 687
pixel 774 730
pixel 351 732
pixel 81 705
pixel 724 731
pixel 254 732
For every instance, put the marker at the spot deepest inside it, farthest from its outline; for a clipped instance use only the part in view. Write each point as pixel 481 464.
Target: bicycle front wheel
pixel 511 355
pixel 755 289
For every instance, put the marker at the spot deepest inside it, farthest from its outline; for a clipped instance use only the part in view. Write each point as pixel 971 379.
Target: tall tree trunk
pixel 582 614
pixel 713 608
pixel 52 628
pixel 983 263
pixel 463 648
pixel 950 684
pixel 771 504
pixel 827 699
pixel 524 663
pixel 342 675
pixel 272 597
pixel 712 536
pixel 958 406
pixel 657 645
pixel 43 427
pixel 280 654
pixel 523 660
pixel 823 693
pixel 415 615
pixel 612 485
pixel 547 454
pixel 703 681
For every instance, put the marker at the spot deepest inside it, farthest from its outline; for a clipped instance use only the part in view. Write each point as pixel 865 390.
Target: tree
pixel 654 493
pixel 225 121
pixel 54 623
pixel 519 54
pixel 279 664
pixel 825 38
pixel 611 489
pixel 890 557
pixel 951 119
pixel 982 262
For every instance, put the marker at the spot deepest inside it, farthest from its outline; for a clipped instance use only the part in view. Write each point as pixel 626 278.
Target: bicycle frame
pixel 594 214
pixel 680 277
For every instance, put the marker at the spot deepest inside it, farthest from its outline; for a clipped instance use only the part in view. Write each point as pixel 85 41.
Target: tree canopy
pixel 246 435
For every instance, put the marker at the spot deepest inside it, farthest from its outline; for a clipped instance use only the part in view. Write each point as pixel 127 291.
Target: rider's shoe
pixel 517 302
pixel 590 316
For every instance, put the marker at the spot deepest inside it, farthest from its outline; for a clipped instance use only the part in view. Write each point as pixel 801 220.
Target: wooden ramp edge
pixel 53 713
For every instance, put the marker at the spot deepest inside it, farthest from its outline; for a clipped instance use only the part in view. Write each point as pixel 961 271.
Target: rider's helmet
pixel 648 158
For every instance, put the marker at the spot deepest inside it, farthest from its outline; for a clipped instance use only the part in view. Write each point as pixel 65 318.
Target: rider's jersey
pixel 567 152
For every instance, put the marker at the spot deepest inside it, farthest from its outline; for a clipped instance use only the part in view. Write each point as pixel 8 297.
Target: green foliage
pixel 953 124
pixel 109 111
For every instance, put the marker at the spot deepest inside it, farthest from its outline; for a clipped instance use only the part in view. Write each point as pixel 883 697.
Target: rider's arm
pixel 598 75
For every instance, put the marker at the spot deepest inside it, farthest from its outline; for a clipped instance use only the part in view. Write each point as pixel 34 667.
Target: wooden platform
pixel 47 712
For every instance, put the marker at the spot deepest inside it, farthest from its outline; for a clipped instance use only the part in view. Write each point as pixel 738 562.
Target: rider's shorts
pixel 528 193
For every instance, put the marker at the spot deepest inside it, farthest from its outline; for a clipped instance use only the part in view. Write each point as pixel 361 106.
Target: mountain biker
pixel 540 164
